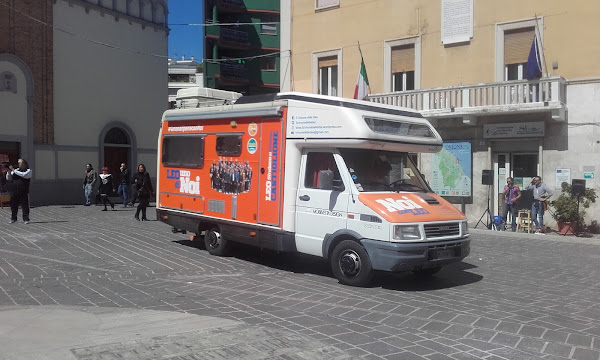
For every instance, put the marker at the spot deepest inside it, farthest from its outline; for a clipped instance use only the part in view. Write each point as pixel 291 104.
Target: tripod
pixel 489 222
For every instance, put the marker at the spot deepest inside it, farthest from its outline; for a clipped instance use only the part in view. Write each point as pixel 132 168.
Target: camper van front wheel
pixel 214 243
pixel 351 265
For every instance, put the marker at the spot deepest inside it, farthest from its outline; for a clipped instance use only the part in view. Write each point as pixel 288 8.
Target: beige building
pixel 463 63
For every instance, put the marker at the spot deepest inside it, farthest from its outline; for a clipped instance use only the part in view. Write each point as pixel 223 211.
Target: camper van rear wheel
pixel 351 265
pixel 214 243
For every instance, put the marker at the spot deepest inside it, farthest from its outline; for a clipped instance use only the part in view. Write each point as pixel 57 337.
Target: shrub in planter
pixel 565 206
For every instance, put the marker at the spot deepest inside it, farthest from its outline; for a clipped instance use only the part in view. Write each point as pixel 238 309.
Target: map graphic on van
pixel 230 177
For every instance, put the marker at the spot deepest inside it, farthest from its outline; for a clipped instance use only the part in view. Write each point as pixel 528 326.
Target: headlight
pixel 407 232
pixel 464 228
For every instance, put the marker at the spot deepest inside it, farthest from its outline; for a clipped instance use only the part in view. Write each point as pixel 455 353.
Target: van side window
pixel 229 145
pixel 317 161
pixel 183 151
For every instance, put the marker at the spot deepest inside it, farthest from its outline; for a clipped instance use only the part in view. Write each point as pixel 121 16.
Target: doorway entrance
pixel 117 150
pixel 522 167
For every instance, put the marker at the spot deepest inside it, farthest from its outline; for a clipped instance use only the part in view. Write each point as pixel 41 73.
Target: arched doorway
pixel 117 150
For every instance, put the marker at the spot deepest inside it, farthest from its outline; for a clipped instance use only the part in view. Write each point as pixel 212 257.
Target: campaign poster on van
pixel 451 171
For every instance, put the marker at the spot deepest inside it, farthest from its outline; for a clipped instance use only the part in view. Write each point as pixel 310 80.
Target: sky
pixel 185 40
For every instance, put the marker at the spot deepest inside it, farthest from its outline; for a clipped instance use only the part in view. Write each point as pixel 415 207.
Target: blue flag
pixel 534 65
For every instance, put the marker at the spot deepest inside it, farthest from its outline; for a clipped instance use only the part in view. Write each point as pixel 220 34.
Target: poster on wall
pixel 451 170
pixel 562 175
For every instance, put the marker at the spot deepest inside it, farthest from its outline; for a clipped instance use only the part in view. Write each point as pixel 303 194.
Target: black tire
pixel 351 265
pixel 426 273
pixel 215 244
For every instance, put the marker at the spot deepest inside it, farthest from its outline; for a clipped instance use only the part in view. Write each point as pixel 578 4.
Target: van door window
pixel 317 161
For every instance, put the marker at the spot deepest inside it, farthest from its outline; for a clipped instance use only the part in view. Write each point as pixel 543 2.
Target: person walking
pixel 124 184
pixel 19 180
pixel 144 190
pixel 106 188
pixel 88 183
pixel 512 193
pixel 541 193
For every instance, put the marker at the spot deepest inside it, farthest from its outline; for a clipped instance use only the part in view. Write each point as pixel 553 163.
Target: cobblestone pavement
pixel 517 296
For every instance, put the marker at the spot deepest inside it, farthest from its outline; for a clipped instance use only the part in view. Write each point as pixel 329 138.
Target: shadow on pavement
pixel 48 222
pixel 450 276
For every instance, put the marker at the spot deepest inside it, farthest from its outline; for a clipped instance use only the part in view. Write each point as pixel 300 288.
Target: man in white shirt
pixel 19 190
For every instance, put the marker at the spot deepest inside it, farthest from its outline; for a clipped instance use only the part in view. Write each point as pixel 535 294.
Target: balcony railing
pixel 519 93
pixel 236 36
pixel 234 71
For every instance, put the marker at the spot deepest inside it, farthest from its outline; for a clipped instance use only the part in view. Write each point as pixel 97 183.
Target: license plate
pixel 445 254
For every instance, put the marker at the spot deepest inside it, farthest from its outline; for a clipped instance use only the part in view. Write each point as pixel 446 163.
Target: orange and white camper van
pixel 318 175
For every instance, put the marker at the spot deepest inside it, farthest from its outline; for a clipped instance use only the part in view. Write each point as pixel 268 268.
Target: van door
pixel 271 174
pixel 319 211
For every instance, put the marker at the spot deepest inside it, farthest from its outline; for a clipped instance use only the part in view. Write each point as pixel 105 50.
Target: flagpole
pixel 539 38
pixel 360 51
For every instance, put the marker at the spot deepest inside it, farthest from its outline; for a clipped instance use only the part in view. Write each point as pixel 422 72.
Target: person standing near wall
pixel 541 193
pixel 124 184
pixel 512 193
pixel 106 188
pixel 19 190
pixel 144 191
pixel 88 183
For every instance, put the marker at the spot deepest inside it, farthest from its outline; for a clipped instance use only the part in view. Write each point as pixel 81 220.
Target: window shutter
pixel 328 61
pixel 517 44
pixel 403 58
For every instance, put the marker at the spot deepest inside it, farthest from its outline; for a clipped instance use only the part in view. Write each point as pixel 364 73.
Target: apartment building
pixel 82 82
pixel 241 45
pixel 183 74
pixel 463 64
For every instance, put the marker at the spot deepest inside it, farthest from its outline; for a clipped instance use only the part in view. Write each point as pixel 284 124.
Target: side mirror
pixel 326 180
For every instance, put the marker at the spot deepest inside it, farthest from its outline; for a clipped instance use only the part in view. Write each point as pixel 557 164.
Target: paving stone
pixel 585 354
pixel 579 340
pixel 558 350
pixel 532 345
pixel 505 339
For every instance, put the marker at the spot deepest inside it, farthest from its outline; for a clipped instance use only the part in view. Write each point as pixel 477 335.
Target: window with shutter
pixel 517 44
pixel 328 75
pixel 403 68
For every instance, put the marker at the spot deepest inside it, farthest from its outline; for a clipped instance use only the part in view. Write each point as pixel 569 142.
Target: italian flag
pixel 362 84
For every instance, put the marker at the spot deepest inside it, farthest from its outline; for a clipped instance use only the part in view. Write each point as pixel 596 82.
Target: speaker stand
pixel 489 220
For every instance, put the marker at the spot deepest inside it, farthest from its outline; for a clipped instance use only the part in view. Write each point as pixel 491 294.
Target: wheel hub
pixel 214 239
pixel 350 263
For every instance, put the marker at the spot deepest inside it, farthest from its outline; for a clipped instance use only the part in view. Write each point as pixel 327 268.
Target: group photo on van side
pixel 230 176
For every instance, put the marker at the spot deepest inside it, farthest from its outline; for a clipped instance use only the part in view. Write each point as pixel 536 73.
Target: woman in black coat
pixel 143 187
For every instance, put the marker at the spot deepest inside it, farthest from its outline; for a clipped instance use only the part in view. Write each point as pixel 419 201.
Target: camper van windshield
pixel 375 170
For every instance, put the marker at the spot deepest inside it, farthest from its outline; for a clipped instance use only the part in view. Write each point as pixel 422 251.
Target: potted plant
pixel 567 212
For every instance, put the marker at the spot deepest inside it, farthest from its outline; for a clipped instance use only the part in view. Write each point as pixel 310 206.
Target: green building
pixel 243 51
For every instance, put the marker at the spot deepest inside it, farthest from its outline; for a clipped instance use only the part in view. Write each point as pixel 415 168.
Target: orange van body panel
pixel 256 175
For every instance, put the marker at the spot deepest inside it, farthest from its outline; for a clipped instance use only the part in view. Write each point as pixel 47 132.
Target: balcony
pixel 225 73
pixel 520 96
pixel 249 5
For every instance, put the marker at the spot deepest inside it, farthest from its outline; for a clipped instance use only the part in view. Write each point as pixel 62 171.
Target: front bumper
pixel 394 257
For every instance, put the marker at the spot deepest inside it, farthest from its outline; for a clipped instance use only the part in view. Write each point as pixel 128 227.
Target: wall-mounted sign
pixel 588 175
pixel 457 21
pixel 451 170
pixel 514 130
pixel 562 175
